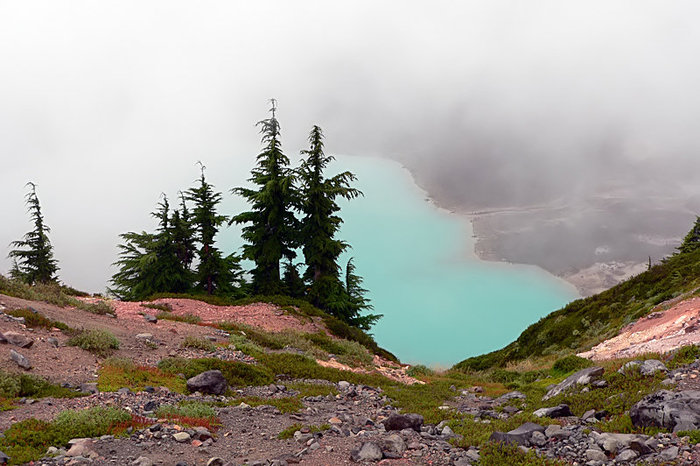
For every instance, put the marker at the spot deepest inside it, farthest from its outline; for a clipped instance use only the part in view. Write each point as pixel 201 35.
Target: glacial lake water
pixel 441 304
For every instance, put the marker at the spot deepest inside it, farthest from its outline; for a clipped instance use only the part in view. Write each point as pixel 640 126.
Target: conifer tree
pixel 33 260
pixel 357 301
pixel 149 262
pixel 320 224
pixel 691 242
pixel 183 234
pixel 293 283
pixel 215 273
pixel 270 226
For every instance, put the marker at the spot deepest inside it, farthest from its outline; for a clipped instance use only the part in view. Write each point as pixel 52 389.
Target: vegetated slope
pixel 586 322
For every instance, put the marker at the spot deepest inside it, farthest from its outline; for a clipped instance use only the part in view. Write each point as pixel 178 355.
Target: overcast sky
pixel 104 105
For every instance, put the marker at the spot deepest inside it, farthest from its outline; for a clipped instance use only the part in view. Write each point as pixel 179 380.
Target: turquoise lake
pixel 441 303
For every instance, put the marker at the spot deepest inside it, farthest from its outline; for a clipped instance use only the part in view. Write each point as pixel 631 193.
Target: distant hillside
pixel 586 322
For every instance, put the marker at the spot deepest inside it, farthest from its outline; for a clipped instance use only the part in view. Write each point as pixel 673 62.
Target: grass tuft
pixel 99 342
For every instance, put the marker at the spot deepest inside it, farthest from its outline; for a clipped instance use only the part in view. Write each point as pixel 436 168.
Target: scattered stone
pixel 369 451
pixel 151 405
pixel 18 339
pixel 594 454
pixel 393 446
pixel 142 461
pixel 344 385
pixel 150 318
pixel 670 453
pixel 582 377
pixel 212 382
pixel 20 359
pixel 215 461
pixel 4 459
pixel 671 410
pixel 516 395
pixel 182 437
pixel 144 336
pixel 520 436
pixel 646 368
pixel 404 421
pixel 52 341
pixel 626 455
pixel 3 339
pixel 89 388
pixel 554 412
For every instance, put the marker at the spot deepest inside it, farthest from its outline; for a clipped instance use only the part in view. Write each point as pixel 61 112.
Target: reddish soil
pixel 659 332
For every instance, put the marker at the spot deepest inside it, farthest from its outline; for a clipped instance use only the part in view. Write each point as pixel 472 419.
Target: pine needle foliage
pixel 33 260
pixel 270 229
pixel 215 273
pixel 691 242
pixel 149 262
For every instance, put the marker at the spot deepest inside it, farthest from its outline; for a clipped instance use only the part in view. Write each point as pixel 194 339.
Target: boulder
pixel 670 410
pixel 582 377
pixel 18 339
pixel 516 395
pixel 393 446
pixel 212 382
pixel 150 318
pixel 648 367
pixel 4 459
pixel 520 436
pixel 20 359
pixel 404 421
pixel 182 437
pixel 142 461
pixel 369 451
pixel 3 340
pixel 90 387
pixel 554 411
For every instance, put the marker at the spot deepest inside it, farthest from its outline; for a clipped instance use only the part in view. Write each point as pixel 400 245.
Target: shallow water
pixel 441 303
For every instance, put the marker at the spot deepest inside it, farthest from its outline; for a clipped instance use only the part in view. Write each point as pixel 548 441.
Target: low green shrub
pixel 192 409
pixel 289 431
pixel 419 370
pixel 99 342
pixel 28 440
pixel 187 318
pixel 164 307
pixel 116 373
pixel 246 346
pixel 694 435
pixel 684 355
pixel 500 454
pixel 569 364
pixel 36 320
pixel 27 385
pixel 198 343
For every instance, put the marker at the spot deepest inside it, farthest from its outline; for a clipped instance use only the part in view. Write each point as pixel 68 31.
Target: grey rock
pixel 215 461
pixel 671 410
pixel 404 421
pixel 3 339
pixel 182 437
pixel 144 336
pixel 18 339
pixel 538 438
pixel 142 461
pixel 626 455
pixel 554 412
pixel 582 377
pixel 462 462
pixel 669 454
pixel 4 459
pixel 150 318
pixel 473 455
pixel 447 431
pixel 20 359
pixel 369 451
pixel 89 388
pixel 520 436
pixel 212 382
pixel 593 454
pixel 393 446
pixel 151 405
pixel 53 341
pixel 516 395
pixel 344 385
pixel 646 368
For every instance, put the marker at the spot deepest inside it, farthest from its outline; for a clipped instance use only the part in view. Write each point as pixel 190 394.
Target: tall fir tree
pixel 215 273
pixel 357 303
pixel 691 242
pixel 270 229
pixel 149 262
pixel 321 223
pixel 183 233
pixel 33 260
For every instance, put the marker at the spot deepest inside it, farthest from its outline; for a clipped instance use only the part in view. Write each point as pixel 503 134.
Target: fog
pixel 583 113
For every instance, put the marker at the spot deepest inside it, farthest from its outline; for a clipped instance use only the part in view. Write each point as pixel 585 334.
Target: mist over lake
pixel 441 303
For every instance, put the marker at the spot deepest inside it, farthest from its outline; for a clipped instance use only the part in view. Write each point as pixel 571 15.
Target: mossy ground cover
pixel 28 440
pixel 51 293
pixel 119 373
pixel 33 319
pixel 198 343
pixel 289 431
pixel 31 386
pixel 190 414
